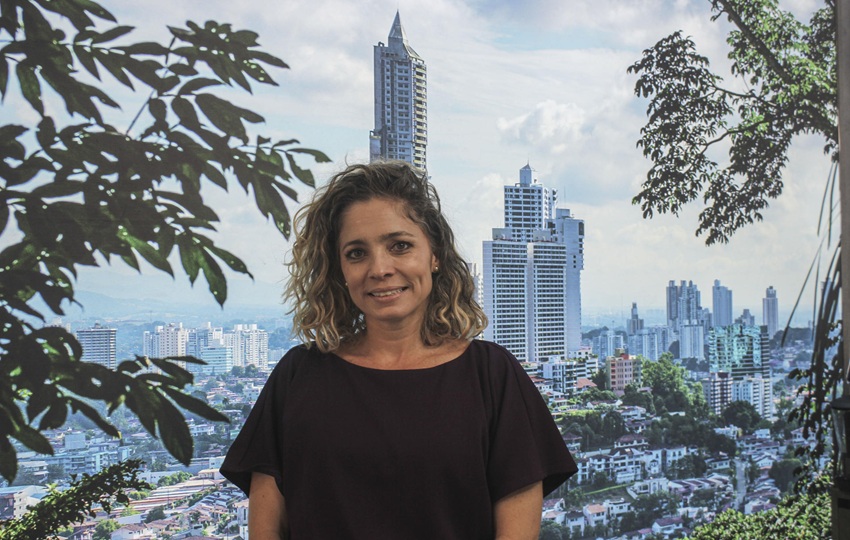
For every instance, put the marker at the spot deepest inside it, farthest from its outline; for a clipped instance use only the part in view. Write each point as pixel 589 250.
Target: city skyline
pixel 541 85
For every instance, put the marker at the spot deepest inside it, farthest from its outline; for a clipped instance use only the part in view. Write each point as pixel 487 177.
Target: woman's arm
pixel 267 519
pixel 517 515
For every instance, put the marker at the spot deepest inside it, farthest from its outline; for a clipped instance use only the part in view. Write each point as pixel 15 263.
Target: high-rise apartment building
pixel 770 311
pixel 743 352
pixel 401 105
pixel 532 274
pixel 721 304
pixel 164 341
pixel 683 304
pixel 98 343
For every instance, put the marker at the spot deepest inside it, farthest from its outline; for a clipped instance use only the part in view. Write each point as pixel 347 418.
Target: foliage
pixel 646 509
pixel 802 517
pixel 104 529
pixel 789 73
pixel 172 479
pixel 784 472
pixel 787 69
pixel 155 514
pixel 60 509
pixel 549 530
pixel 633 397
pixel 670 391
pixel 83 192
pixel 741 414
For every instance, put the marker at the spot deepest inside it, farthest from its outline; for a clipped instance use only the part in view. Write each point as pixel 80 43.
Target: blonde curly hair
pixel 321 306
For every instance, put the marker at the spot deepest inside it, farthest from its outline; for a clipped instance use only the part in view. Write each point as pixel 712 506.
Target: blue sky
pixel 542 82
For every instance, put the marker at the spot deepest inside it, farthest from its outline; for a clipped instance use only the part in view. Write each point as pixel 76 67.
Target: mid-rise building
pixel 622 371
pixel 165 341
pixel 532 274
pixel 401 119
pixel 770 311
pixel 717 389
pixel 743 352
pixel 721 304
pixel 98 344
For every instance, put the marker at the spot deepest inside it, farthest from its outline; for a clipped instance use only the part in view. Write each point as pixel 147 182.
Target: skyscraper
pixel 401 119
pixel 770 311
pixel 721 304
pixel 683 304
pixel 532 274
pixel 98 343
pixel 743 352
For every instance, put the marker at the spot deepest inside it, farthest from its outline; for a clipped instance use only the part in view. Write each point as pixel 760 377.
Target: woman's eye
pixel 401 246
pixel 354 254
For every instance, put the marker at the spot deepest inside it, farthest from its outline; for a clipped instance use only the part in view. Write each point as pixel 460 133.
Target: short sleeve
pixel 258 447
pixel 525 443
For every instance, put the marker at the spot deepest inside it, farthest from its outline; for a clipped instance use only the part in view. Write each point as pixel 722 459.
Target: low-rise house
pixel 595 514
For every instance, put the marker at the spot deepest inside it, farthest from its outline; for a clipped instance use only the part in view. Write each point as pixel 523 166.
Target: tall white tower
pixel 770 311
pixel 401 104
pixel 532 274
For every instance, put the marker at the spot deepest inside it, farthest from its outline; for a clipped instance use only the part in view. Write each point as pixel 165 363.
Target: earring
pixel 436 269
pixel 346 284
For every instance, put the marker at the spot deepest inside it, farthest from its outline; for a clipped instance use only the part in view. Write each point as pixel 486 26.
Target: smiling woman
pixel 392 421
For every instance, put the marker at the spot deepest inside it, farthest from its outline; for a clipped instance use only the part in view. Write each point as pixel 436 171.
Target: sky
pixel 542 82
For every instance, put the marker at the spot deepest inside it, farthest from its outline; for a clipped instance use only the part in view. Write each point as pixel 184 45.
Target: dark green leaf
pixel 4 75
pixel 86 59
pixel 147 47
pixel 46 132
pixel 30 87
pixel 196 84
pixel 234 262
pixel 183 70
pixel 94 416
pixel 195 405
pixel 8 459
pixel 268 59
pixel 214 276
pixel 112 34
pixel 157 109
pixel 174 432
pixel 33 440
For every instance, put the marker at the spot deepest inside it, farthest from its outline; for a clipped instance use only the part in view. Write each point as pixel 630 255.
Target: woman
pixel 393 422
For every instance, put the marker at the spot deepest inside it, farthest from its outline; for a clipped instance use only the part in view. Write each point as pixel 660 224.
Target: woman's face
pixel 387 262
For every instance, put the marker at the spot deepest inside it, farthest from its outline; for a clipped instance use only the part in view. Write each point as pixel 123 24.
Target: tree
pixel 549 530
pixel 155 514
pixel 741 414
pixel 172 479
pixel 789 76
pixel 784 472
pixel 104 529
pixel 83 191
pixel 59 509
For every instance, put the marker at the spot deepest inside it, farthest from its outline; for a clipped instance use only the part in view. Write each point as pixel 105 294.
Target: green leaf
pixel 223 115
pixel 174 432
pixel 214 276
pixel 157 109
pixel 46 132
pixel 87 60
pixel 30 87
pixel 4 217
pixel 190 257
pixel 8 459
pixel 147 47
pixel 268 59
pixel 94 416
pixel 183 70
pixel 196 84
pixel 185 112
pixel 195 405
pixel 148 252
pixel 111 34
pixel 4 75
pixel 231 260
pixel 54 417
pixel 33 440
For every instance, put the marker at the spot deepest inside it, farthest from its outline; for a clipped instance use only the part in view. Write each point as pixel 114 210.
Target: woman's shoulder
pixel 491 356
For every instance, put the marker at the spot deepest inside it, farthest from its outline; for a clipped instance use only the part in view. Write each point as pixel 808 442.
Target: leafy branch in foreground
pixel 788 71
pixel 83 192
pixel 61 509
